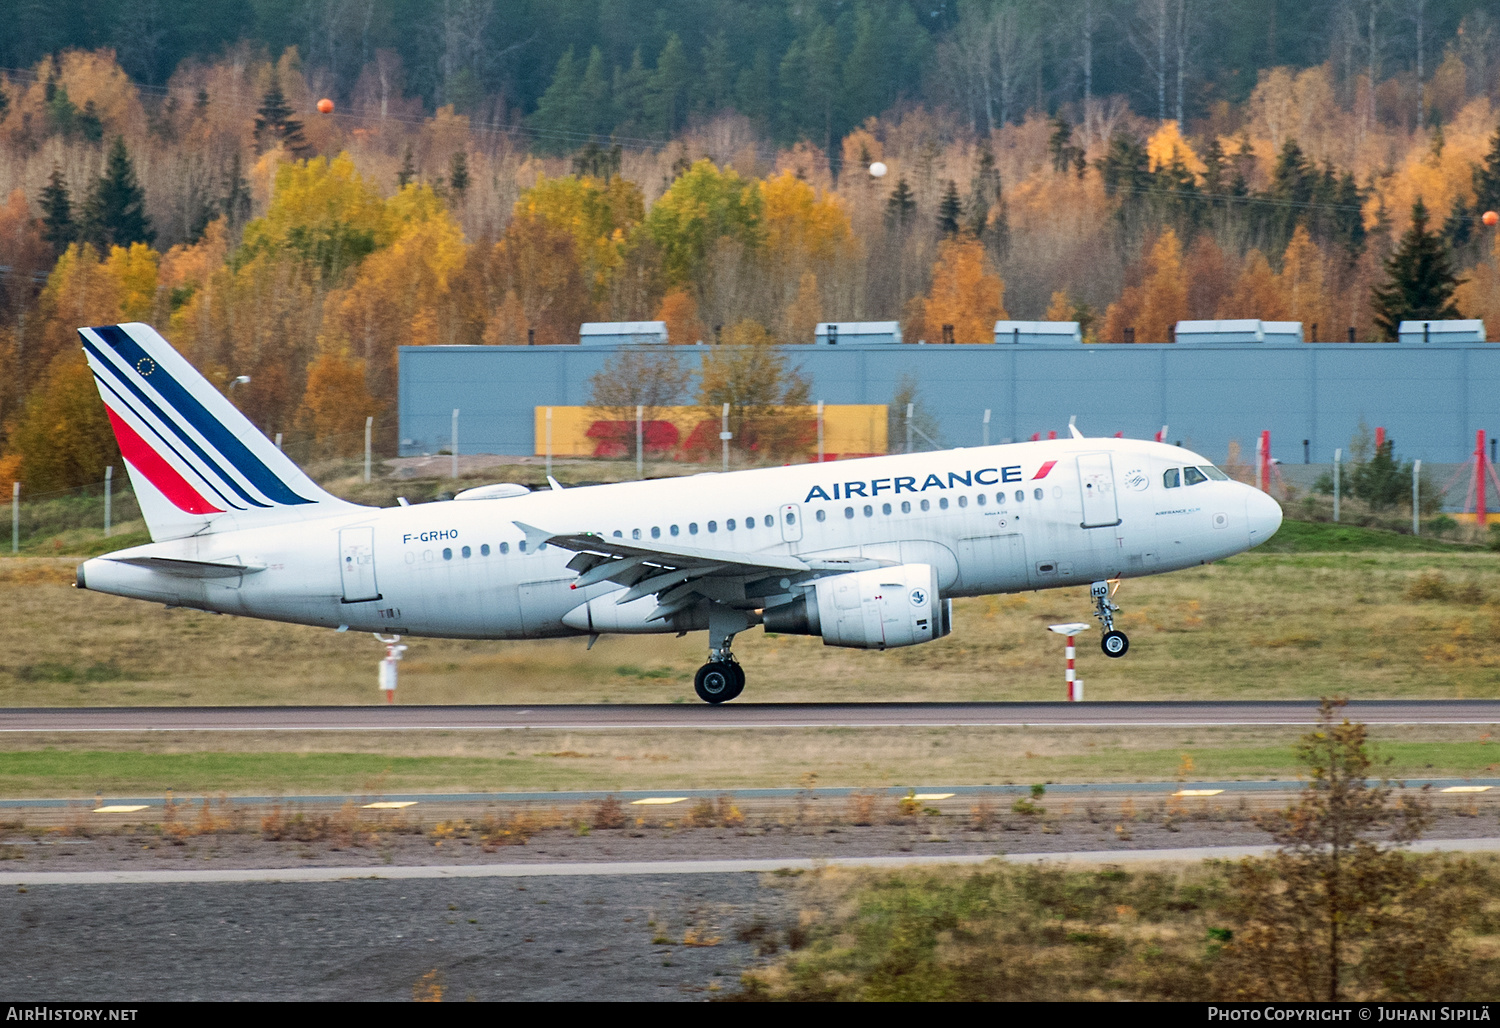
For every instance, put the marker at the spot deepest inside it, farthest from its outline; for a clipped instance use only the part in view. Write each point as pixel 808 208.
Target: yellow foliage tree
pixel 1301 282
pixel 1256 293
pixel 967 293
pixel 324 214
pixel 750 373
pixel 799 224
pixel 680 313
pixel 135 273
pixel 599 216
pixel 1164 293
pixel 62 438
pixel 400 294
pixel 81 290
pixel 94 84
pixel 1166 147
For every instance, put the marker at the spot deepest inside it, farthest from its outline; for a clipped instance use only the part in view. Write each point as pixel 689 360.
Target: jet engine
pixel 868 610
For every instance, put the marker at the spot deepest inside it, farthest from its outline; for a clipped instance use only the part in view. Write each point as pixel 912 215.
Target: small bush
pixel 982 815
pixel 609 813
pixel 862 808
pixel 702 814
pixel 1429 585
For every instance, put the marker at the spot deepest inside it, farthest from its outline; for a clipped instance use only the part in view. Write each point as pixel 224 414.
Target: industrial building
pixel 1429 398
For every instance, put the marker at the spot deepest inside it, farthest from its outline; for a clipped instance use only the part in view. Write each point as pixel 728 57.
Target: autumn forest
pixel 288 251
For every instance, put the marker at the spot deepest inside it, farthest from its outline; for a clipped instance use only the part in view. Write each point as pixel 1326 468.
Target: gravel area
pixel 540 939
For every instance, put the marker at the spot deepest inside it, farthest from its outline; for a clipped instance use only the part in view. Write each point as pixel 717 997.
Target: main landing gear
pixel 722 678
pixel 1115 643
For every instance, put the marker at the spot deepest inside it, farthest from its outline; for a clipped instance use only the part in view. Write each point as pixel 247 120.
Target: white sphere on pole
pixel 878 169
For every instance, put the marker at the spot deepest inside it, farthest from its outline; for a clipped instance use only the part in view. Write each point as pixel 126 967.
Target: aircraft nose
pixel 1262 514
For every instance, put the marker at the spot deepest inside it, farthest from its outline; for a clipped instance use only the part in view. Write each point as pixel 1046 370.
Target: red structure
pixel 1263 458
pixel 1479 468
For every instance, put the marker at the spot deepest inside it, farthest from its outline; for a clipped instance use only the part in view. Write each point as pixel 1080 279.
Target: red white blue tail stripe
pixel 174 429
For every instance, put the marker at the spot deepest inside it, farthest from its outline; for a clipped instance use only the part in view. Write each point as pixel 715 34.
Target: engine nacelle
pixel 868 610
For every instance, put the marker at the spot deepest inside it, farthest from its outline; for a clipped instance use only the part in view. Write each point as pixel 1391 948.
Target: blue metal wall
pixel 1429 398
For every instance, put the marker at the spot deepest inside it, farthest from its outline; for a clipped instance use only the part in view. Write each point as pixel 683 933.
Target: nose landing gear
pixel 1114 643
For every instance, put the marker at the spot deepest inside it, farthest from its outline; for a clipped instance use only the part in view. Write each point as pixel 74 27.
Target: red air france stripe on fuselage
pixel 1042 473
pixel 160 474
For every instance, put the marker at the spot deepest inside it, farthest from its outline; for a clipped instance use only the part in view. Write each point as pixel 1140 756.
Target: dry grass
pixel 1368 624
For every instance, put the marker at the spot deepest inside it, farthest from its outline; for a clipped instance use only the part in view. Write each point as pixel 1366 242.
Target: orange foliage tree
pixel 680 313
pixel 1154 307
pixel 967 293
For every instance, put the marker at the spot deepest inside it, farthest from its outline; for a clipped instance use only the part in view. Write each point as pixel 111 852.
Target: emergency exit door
pixel 357 564
pixel 791 522
pixel 1096 481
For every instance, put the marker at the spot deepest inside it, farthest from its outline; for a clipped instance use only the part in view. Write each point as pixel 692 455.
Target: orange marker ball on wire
pixel 1490 218
pixel 325 106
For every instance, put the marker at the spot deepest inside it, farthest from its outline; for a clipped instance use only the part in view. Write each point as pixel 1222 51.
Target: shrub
pixel 1429 585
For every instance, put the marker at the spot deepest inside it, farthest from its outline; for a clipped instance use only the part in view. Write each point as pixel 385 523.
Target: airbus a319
pixel 865 553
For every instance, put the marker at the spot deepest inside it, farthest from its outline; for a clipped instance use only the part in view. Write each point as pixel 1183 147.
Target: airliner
pixel 866 553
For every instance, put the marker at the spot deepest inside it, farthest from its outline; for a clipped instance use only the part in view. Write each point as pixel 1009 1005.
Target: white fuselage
pixel 981 517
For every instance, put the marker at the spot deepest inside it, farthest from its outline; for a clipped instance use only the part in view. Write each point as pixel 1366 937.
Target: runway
pixel 580 717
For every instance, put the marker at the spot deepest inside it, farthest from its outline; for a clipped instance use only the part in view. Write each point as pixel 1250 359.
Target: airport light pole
pixel 369 424
pixel 725 435
pixel 109 489
pixel 549 442
pixel 986 426
pixel 1416 498
pixel 820 431
pixel 15 517
pixel 1338 458
pixel 909 408
pixel 453 446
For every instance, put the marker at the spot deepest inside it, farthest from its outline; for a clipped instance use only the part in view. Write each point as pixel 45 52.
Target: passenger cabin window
pixel 467 553
pixel 791 518
pixel 885 508
pixel 1020 495
pixel 635 533
pixel 750 521
pixel 770 521
pixel 942 503
pixel 1036 494
pixel 906 506
pixel 980 499
pixel 713 526
pixel 619 534
pixel 1192 476
pixel 1171 478
pixel 822 515
pixel 484 551
pixel 926 504
pixel 692 528
pixel 655 532
pixel 848 512
pixel 674 530
pixel 505 547
pixel 869 511
pixel 963 501
pixel 1214 473
pixel 729 525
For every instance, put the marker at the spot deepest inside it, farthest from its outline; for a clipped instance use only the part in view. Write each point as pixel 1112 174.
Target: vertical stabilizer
pixel 196 463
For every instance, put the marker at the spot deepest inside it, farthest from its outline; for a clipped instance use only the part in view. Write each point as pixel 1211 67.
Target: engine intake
pixel 868 610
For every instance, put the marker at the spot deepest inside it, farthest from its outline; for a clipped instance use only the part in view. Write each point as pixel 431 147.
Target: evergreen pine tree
pixel 58 226
pixel 1214 166
pixel 1060 144
pixel 274 122
pixel 593 95
pixel 557 112
pixel 901 206
pixel 1349 218
pixel 1487 179
pixel 4 103
pixel 666 95
pixel 1419 279
pixel 115 212
pixel 458 174
pixel 950 209
pixel 984 191
pixel 1458 227
pixel 408 170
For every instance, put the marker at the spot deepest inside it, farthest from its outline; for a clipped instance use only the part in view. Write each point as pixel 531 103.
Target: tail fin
pixel 197 464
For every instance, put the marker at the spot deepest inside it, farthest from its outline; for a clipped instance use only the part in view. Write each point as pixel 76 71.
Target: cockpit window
pixel 1214 473
pixel 1192 476
pixel 1172 478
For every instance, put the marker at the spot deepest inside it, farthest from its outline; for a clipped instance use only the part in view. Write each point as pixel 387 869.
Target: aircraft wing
pixel 673 573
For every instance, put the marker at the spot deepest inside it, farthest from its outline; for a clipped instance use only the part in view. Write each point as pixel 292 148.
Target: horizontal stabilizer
pixel 190 568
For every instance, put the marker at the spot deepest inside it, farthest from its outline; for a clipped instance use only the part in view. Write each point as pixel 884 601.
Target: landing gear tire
pixel 719 681
pixel 1114 644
